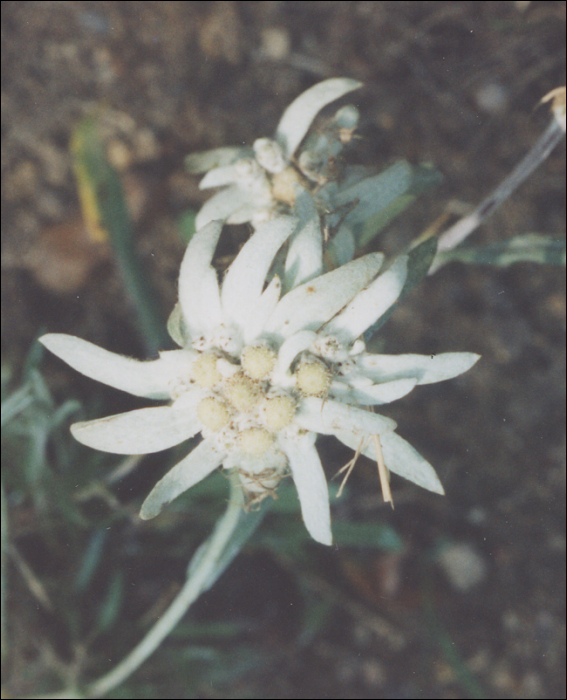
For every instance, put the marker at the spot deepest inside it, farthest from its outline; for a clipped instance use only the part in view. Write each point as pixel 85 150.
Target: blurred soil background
pixel 473 603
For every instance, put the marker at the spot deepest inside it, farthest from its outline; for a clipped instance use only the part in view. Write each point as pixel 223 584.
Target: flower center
pixel 205 371
pixel 258 361
pixel 313 378
pixel 241 407
pixel 255 441
pixel 213 414
pixel 278 412
pixel 242 392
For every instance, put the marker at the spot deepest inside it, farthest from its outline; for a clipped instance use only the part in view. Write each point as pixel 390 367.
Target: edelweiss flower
pixel 260 376
pixel 261 181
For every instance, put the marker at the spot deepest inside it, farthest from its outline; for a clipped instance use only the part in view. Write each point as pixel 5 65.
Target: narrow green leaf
pixel 374 225
pixel 381 198
pixel 187 225
pixel 529 247
pixel 14 404
pixel 112 604
pixel 419 262
pixel 90 560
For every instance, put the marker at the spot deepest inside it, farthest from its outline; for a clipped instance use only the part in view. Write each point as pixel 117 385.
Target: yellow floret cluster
pixel 243 406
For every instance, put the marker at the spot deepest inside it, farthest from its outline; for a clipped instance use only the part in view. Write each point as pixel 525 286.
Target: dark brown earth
pixel 456 84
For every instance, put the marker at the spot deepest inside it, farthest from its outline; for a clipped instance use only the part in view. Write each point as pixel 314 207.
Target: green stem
pixel 198 580
pixel 231 532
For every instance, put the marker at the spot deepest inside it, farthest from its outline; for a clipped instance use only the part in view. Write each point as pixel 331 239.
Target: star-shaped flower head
pixel 259 182
pixel 260 374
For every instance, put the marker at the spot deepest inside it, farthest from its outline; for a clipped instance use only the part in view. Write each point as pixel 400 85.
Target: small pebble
pixel 463 566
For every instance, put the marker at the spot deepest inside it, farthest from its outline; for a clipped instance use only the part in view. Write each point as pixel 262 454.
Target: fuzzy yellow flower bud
pixel 213 414
pixel 258 361
pixel 278 412
pixel 255 441
pixel 284 184
pixel 313 378
pixel 242 392
pixel 205 371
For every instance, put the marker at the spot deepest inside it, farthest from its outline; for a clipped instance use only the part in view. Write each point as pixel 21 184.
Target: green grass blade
pixel 106 216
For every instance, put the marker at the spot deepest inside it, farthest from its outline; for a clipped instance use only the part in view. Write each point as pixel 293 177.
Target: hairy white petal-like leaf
pixel 290 349
pixel 297 118
pixel 219 177
pixel 311 486
pixel 176 326
pixel 331 417
pixel 244 281
pixel 149 379
pixel 374 394
pixel 198 464
pixel 198 285
pixel 222 206
pixel 310 305
pixel 426 368
pixel 370 303
pixel 400 457
pixel 270 155
pixel 254 212
pixel 138 432
pixel 215 158
pixel 305 255
pixel 253 326
pixel 176 366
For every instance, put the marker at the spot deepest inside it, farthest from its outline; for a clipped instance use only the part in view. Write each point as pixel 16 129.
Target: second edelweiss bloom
pixel 260 374
pixel 259 182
